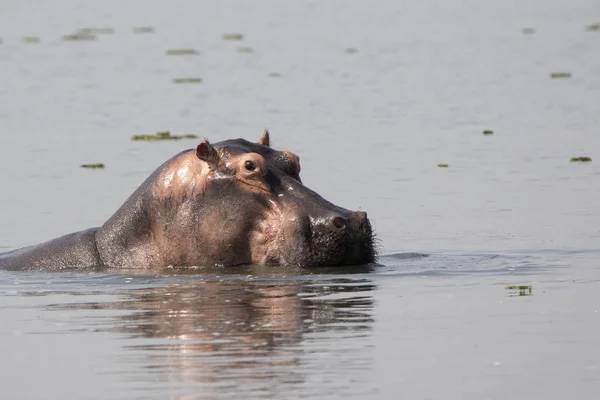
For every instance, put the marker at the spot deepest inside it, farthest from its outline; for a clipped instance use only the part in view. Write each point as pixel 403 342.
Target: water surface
pixel 433 319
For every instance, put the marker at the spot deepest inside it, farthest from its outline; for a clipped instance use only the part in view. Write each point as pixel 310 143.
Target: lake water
pixel 372 96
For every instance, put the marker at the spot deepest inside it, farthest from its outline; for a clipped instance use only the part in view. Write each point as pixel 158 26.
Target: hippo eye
pixel 249 165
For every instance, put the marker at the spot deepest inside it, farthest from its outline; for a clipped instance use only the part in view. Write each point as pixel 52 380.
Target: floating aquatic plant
pixel 166 135
pixel 30 39
pixel 93 166
pixel 521 290
pixel 143 29
pixel 181 52
pixel 581 159
pixel 233 36
pixel 187 80
pixel 243 49
pixel 81 35
pixel 593 28
pixel 555 75
pixel 443 165
pixel 488 132
pixel 97 31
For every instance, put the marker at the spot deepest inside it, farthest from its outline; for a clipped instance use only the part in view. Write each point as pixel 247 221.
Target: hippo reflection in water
pixel 229 203
pixel 250 334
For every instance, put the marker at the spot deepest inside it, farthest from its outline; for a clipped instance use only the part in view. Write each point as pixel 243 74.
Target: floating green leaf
pixel 31 39
pixel 143 29
pixel 243 49
pixel 181 52
pixel 233 36
pixel 581 159
pixel 80 36
pixel 443 165
pixel 555 75
pixel 521 290
pixel 488 132
pixel 93 166
pixel 97 31
pixel 593 28
pixel 162 136
pixel 187 80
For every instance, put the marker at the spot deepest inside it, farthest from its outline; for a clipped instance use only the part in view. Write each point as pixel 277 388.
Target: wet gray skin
pixel 231 203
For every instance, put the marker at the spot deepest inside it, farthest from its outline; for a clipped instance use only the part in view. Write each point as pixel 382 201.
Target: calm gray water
pixel 434 319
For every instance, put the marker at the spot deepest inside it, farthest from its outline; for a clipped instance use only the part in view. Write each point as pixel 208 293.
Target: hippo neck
pixel 124 240
pixel 128 238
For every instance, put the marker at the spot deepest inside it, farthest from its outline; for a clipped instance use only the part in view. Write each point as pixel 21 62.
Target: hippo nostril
pixel 339 222
pixel 358 219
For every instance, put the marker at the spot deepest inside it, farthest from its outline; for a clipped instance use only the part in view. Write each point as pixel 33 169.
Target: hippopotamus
pixel 224 204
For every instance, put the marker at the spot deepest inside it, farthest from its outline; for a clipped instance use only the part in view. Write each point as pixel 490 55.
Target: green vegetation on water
pixel 488 132
pixel 187 80
pixel 30 39
pixel 443 165
pixel 181 52
pixel 518 287
pixel 555 75
pixel 593 28
pixel 93 166
pixel 143 29
pixel 243 49
pixel 521 290
pixel 81 35
pixel 581 159
pixel 162 136
pixel 233 36
pixel 97 31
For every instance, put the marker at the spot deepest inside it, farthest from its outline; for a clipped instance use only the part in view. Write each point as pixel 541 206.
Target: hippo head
pixel 245 203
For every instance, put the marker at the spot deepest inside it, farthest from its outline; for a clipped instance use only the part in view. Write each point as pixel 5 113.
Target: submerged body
pixel 231 203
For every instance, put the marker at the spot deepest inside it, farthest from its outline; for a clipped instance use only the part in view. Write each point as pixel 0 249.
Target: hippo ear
pixel 264 140
pixel 209 154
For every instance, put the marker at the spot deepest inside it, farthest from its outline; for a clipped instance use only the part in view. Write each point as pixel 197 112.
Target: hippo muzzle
pixel 319 233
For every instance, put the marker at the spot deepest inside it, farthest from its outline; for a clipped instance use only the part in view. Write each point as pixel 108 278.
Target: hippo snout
pixel 341 238
pixel 349 220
